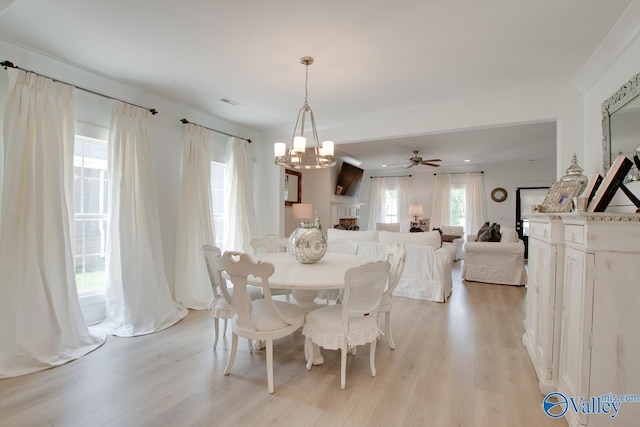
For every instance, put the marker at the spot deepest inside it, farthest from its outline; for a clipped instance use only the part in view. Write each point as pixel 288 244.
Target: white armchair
pixel 495 262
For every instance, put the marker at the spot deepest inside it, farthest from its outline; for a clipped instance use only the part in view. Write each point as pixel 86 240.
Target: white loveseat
pixel 427 271
pixel 495 262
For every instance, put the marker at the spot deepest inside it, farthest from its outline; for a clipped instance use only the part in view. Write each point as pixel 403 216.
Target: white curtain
pixel 476 210
pixel 41 324
pixel 441 203
pixel 377 197
pixel 405 195
pixel 192 286
pixel 240 218
pixel 402 186
pixel 137 296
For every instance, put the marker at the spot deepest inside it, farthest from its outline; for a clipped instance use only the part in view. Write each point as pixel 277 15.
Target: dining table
pixel 305 280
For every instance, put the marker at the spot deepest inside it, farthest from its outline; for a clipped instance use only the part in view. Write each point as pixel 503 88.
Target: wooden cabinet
pixel 594 311
pixel 600 348
pixel 544 298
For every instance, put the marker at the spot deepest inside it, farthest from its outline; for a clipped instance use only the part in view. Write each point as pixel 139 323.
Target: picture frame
pixel 592 186
pixel 559 199
pixel 610 184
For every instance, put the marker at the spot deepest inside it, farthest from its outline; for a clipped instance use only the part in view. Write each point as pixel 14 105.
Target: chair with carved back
pixel 272 243
pixel 220 307
pixel 265 319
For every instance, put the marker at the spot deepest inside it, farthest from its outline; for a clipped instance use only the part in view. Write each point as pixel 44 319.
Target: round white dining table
pixel 328 273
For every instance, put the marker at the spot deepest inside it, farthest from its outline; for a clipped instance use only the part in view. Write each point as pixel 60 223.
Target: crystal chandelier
pixel 295 156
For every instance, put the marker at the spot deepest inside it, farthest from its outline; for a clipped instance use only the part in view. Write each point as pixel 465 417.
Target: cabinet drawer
pixel 574 233
pixel 539 230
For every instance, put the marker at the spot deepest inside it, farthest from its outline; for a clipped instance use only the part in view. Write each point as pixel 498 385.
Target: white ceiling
pixel 370 55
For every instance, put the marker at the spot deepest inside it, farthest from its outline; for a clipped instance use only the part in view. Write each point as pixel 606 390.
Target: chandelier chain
pixel 306 84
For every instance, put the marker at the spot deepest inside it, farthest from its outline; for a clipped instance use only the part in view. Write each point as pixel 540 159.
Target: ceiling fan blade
pixel 431 160
pixel 410 166
pixel 435 165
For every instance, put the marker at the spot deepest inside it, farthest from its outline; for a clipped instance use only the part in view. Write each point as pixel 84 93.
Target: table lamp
pixel 415 211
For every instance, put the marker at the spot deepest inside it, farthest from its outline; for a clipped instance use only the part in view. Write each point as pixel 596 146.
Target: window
pixel 391 205
pixel 217 200
pixel 91 212
pixel 458 204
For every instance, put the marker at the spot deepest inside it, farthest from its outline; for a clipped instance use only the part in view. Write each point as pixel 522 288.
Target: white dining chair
pixel 265 319
pixel 341 246
pixel 397 256
pixel 272 243
pixel 219 306
pixel 352 323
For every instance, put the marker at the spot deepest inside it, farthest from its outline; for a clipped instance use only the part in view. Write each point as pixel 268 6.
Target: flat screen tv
pixel 349 180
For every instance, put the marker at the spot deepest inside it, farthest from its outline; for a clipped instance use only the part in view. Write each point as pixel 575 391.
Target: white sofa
pixel 427 271
pixel 495 262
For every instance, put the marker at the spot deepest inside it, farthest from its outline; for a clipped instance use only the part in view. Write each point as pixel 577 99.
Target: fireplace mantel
pixel 345 213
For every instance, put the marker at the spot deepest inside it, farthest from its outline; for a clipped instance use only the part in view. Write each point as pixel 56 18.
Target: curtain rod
pixel 185 121
pixel 392 176
pixel 9 64
pixel 457 173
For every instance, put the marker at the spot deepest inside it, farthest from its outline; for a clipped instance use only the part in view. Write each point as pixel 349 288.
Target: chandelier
pixel 296 156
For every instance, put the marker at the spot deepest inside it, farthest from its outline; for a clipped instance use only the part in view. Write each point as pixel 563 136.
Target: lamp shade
pixel 302 210
pixel 415 210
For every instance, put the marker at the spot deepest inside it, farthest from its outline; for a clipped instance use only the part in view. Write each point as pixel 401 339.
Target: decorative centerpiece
pixel 574 173
pixel 307 242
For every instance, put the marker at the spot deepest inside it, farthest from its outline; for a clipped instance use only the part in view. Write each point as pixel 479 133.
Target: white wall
pixel 617 72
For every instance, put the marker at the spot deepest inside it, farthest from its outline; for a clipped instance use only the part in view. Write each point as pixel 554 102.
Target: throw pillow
pixel 509 235
pixel 485 233
pixel 495 233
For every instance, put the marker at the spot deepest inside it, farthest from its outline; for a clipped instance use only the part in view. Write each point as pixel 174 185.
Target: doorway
pixel 525 198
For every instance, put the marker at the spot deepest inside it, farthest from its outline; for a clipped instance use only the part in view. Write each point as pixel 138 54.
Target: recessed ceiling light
pixel 228 101
pixel 384 166
pixel 467 160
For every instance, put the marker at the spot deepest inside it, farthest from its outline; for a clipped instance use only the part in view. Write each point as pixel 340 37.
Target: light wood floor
pixel 461 363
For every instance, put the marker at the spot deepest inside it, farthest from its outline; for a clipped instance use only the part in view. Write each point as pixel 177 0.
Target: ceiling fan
pixel 417 160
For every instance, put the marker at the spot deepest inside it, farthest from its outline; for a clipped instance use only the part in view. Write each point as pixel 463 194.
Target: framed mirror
pixel 292 187
pixel 621 126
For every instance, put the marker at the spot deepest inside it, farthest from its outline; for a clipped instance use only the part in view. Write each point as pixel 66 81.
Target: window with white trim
pixel 91 188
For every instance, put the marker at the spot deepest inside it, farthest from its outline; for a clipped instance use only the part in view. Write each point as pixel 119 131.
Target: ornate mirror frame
pixel 295 196
pixel 619 99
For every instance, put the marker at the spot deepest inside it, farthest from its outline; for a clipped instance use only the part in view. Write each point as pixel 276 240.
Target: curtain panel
pixel 137 296
pixel 239 213
pixel 192 286
pixel 476 208
pixel 405 195
pixel 41 324
pixel 441 205
pixel 377 197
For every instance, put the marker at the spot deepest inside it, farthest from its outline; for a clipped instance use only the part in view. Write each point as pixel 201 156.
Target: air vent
pixel 229 101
